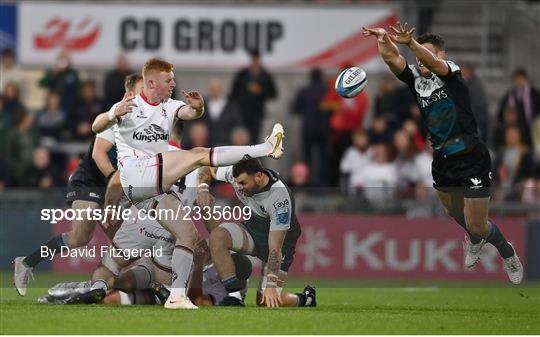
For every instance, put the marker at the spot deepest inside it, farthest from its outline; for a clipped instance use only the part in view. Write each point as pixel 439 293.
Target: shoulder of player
pixel 279 191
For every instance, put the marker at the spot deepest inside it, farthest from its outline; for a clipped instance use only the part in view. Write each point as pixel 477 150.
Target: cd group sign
pixel 200 36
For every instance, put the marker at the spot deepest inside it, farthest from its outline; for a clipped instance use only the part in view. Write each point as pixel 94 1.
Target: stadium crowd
pixel 339 148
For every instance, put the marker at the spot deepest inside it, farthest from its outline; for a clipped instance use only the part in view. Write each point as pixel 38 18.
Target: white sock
pixel 182 264
pixel 230 155
pixel 99 284
pixel 125 298
pixel 236 294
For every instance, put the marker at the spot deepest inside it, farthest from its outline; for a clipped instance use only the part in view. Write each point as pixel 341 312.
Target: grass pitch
pixel 344 307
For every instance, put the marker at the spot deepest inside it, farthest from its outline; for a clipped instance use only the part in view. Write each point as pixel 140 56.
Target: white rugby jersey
pixel 146 130
pixel 275 202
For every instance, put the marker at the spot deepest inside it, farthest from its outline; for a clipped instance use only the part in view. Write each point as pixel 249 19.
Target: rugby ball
pixel 351 82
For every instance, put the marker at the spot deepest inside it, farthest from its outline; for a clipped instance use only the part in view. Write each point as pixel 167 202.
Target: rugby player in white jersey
pixel 148 170
pixel 86 190
pixel 270 234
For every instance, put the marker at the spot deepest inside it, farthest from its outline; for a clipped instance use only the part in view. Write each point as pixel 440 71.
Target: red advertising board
pixel 371 247
pixel 390 247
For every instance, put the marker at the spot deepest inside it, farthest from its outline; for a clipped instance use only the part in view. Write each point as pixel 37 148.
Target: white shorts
pixel 145 234
pixel 141 177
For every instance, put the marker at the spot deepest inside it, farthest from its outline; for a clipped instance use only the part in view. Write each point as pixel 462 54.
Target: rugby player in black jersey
pixel 461 166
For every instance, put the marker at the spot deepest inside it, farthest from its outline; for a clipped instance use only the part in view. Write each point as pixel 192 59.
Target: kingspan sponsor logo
pixel 153 133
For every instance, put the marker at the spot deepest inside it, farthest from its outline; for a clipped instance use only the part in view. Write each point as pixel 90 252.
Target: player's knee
pixel 220 238
pixel 477 229
pixel 78 238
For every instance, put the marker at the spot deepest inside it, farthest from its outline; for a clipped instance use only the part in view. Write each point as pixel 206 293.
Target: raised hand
pixel 378 32
pixel 194 99
pixel 402 34
pixel 125 106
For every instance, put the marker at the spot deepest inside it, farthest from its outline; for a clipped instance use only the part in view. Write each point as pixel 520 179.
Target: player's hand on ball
pixel 194 99
pixel 126 105
pixel 402 34
pixel 271 297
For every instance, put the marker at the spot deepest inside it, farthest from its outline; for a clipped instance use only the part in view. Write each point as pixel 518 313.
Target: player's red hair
pixel 155 65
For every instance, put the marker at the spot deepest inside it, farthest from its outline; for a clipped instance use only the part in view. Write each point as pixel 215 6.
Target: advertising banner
pixel 369 247
pixel 201 37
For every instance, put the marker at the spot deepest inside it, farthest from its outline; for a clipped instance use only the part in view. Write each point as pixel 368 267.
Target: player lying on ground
pixel 270 234
pixel 86 190
pixel 461 162
pixel 139 284
pixel 147 169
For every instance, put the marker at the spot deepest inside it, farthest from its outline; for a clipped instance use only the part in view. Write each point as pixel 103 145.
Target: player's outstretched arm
pixel 388 49
pixel 271 297
pixel 106 120
pixel 194 108
pixel 402 34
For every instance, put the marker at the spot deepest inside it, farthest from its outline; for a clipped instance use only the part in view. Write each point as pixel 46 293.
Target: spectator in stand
pixel 510 118
pixel 354 160
pixel 523 98
pixel 9 70
pixel 64 80
pixel 114 81
pixel 198 135
pixel 11 101
pixel 531 188
pixel 299 182
pixel 240 136
pixel 40 173
pixel 395 103
pixel 411 127
pixel 222 114
pixel 299 176
pixel 379 132
pixel 535 135
pixel 252 87
pixel 513 166
pixel 346 116
pixel 380 177
pixel 88 108
pixel 413 166
pixel 479 103
pixel 315 126
pixel 51 121
pixel 20 141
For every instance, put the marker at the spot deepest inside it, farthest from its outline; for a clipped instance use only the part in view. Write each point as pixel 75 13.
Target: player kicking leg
pixel 147 169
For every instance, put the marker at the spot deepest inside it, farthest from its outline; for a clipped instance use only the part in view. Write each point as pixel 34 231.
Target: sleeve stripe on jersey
pixel 211 155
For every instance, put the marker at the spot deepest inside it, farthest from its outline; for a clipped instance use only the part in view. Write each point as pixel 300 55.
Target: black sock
pixel 496 238
pixel 36 257
pixel 301 299
pixel 474 239
pixel 232 284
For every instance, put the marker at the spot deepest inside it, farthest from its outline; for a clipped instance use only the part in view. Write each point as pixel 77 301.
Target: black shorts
pixel 85 185
pixel 260 238
pixel 468 173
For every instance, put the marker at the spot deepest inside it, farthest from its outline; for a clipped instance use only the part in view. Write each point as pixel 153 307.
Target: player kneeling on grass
pixel 270 234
